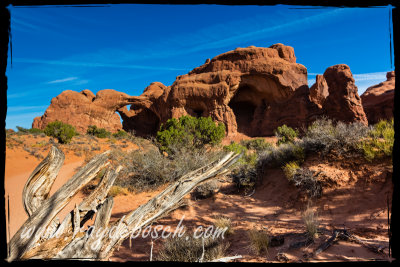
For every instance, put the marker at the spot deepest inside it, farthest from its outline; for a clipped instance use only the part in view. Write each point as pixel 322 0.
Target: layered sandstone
pixel 378 100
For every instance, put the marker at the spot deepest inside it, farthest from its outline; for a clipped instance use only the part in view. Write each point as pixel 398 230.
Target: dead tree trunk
pixel 42 236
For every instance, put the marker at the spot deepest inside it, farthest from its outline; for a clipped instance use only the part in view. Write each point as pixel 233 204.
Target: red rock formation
pixel 343 102
pixel 319 91
pixel 232 88
pixel 378 100
pixel 84 109
pixel 251 90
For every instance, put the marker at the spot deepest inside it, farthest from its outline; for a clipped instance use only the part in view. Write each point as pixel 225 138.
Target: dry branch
pixel 51 239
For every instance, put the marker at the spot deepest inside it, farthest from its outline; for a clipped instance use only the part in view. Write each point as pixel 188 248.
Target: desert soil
pixel 356 200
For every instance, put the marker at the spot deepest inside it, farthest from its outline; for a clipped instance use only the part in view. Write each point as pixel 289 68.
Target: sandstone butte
pixel 251 90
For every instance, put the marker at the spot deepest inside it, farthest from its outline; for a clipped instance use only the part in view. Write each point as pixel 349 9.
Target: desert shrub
pixel 379 142
pixel 147 170
pixel 120 134
pixel 62 131
pixel 190 132
pixel 245 177
pixel 206 189
pixel 259 240
pixel 247 157
pixel 305 180
pixel 98 132
pixel 258 144
pixel 322 135
pixel 34 131
pixel 279 156
pixel 290 169
pixel 117 190
pixel 286 134
pixel 310 219
pixel 244 174
pixel 223 222
pixel 187 248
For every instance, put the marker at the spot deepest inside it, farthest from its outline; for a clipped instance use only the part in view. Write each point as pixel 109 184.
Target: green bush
pixel 29 131
pixel 257 144
pixel 189 132
pixel 247 157
pixel 290 169
pixel 98 132
pixel 286 134
pixel 379 142
pixel 62 131
pixel 120 134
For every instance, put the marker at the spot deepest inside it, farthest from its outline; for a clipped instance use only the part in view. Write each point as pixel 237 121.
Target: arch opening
pixel 244 105
pixel 144 123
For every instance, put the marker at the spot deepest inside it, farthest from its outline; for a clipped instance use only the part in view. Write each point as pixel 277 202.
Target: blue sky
pixel 126 47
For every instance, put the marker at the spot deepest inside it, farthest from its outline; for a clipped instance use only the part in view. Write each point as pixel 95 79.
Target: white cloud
pixel 63 80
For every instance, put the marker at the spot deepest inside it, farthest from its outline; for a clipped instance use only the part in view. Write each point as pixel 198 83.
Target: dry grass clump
pixel 259 240
pixel 206 189
pixel 117 190
pixel 148 169
pixel 310 219
pixel 187 248
pixel 223 222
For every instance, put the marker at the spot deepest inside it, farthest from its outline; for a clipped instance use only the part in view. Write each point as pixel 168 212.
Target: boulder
pixel 378 100
pixel 319 91
pixel 343 102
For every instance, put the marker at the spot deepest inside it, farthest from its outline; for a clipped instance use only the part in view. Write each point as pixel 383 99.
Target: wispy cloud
pixel 24 108
pixel 231 33
pixel 63 80
pixel 370 76
pixel 92 64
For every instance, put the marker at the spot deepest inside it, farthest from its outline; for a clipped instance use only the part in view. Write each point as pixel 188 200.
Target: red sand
pixel 359 205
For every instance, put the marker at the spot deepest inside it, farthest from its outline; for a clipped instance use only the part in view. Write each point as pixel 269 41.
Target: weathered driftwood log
pixel 42 236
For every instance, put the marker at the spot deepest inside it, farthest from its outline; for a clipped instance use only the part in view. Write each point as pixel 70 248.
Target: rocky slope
pixel 251 90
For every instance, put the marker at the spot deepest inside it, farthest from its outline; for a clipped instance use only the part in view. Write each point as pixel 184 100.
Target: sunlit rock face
pixel 378 100
pixel 251 90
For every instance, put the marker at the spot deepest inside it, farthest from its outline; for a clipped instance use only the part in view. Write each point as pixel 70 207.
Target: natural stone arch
pixel 144 122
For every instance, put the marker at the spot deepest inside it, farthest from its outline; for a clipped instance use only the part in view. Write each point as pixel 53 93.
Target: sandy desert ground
pixel 355 200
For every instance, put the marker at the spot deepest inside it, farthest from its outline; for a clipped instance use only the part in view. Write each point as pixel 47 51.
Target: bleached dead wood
pixel 41 180
pixel 227 259
pixel 51 239
pixel 50 207
pixel 343 234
